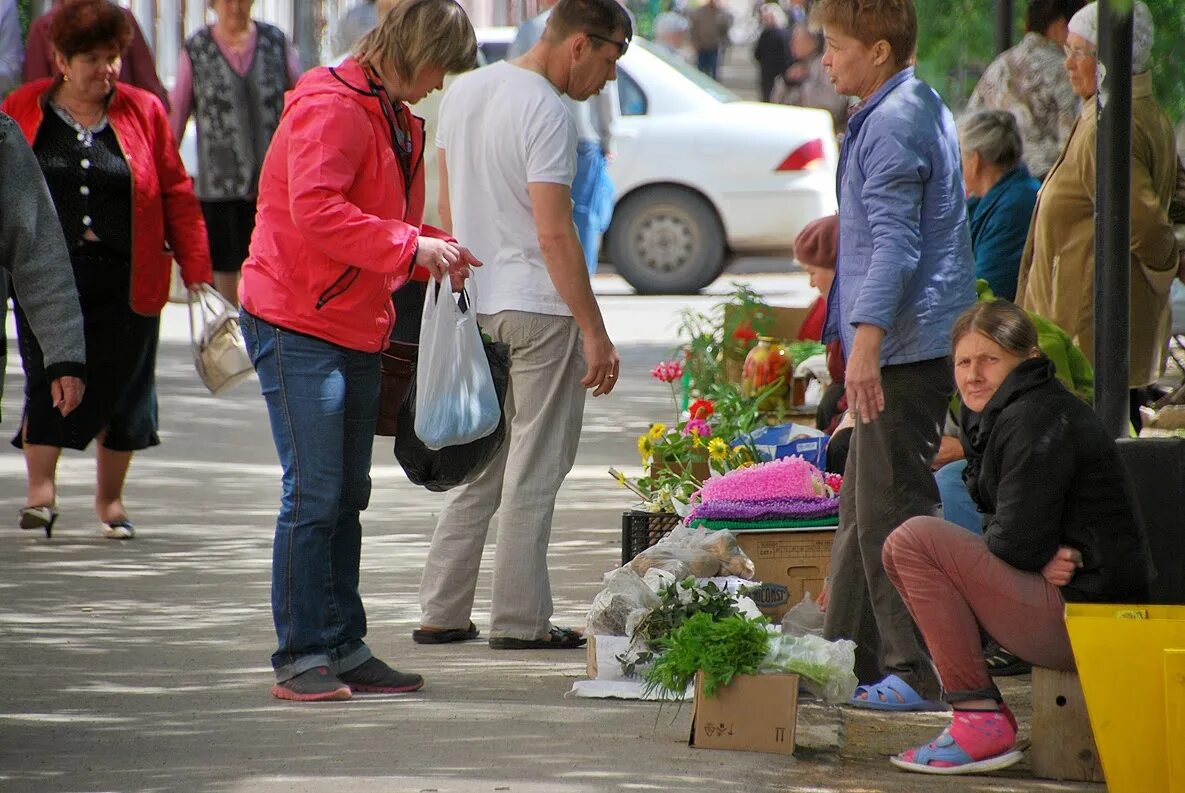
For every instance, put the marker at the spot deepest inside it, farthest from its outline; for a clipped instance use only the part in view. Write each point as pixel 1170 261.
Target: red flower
pixel 667 371
pixel 701 409
pixel 744 332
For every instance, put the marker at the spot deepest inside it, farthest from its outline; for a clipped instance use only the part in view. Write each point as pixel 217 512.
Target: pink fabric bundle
pixel 787 478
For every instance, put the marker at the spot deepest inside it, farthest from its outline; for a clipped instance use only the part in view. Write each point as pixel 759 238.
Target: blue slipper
pixel 892 693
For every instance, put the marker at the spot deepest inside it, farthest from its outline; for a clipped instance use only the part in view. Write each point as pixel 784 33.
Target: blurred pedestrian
pixel 772 50
pixel 12 48
pixel 806 83
pixel 1029 82
pixel 1057 268
pixel 33 253
pixel 593 192
pixel 670 33
pixel 533 295
pixel 904 274
pixel 232 76
pixel 710 24
pixel 123 199
pixel 353 25
pixel 1001 195
pixel 340 227
pixel 137 66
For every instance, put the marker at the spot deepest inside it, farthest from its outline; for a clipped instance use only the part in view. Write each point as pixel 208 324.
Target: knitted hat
pixel 1086 24
pixel 817 244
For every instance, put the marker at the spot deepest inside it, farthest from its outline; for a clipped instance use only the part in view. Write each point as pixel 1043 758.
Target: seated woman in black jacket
pixel 1060 528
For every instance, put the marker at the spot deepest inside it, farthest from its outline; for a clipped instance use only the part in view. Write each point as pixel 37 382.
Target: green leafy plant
pixel 721 649
pixel 680 600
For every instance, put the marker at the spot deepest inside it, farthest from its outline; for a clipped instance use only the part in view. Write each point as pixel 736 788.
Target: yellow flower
pixel 645 448
pixel 741 455
pixel 620 477
pixel 696 441
pixel 657 431
pixel 717 449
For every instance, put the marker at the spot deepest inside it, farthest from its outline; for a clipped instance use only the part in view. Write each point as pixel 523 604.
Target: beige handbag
pixel 218 350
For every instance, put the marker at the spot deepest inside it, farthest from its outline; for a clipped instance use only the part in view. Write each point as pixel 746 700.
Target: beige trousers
pixel 544 413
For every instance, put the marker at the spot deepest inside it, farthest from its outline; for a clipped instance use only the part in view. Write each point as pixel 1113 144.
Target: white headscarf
pixel 1086 24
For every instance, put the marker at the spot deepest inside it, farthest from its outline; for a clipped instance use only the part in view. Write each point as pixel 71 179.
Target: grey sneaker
pixel 312 685
pixel 375 677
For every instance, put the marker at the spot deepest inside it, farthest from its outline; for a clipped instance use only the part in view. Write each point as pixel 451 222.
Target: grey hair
pixel 994 135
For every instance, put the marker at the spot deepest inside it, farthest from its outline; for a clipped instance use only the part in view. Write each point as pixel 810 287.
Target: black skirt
pixel 228 226
pixel 120 397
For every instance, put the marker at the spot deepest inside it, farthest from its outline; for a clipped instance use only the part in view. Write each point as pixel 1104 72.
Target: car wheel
pixel 666 240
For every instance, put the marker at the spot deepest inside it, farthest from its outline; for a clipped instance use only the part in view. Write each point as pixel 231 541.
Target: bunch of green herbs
pixel 721 649
pixel 680 601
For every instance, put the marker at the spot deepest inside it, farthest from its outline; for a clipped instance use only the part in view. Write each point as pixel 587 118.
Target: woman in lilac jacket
pixel 904 274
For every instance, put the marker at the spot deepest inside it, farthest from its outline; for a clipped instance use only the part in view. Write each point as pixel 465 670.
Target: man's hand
pixel 824 597
pixel 438 256
pixel 67 394
pixel 949 450
pixel 863 377
pixel 603 364
pixel 1060 570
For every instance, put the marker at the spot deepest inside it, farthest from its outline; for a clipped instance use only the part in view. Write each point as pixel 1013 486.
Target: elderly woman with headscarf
pixel 1057 268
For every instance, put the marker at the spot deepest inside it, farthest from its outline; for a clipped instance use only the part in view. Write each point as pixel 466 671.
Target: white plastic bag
pixel 455 398
pixel 827 668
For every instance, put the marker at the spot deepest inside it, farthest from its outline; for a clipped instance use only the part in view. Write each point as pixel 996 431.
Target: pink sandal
pixel 976 742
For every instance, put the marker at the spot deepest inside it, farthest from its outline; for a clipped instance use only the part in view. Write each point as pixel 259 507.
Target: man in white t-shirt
pixel 507 156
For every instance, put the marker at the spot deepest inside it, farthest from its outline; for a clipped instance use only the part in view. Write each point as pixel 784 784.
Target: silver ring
pixel 611 376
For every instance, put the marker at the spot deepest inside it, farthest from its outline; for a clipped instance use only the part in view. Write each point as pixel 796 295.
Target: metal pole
pixel 305 33
pixel 1003 25
pixel 1112 243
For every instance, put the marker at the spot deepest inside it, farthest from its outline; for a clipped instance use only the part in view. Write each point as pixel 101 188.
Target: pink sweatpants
pixel 951 583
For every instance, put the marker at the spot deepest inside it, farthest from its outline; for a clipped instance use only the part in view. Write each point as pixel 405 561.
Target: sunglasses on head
pixel 622 46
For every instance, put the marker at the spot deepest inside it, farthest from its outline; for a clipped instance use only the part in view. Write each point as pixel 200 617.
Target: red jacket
pixel 164 207
pixel 137 68
pixel 336 231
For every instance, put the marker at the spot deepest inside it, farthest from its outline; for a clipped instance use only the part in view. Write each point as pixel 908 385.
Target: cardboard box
pixel 754 713
pixel 796 559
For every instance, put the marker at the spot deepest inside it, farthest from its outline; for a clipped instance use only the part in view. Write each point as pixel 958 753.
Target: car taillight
pixel 806 155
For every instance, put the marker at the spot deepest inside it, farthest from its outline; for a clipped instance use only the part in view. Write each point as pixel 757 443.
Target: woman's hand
pixel 464 268
pixel 1060 570
pixel 863 377
pixel 949 450
pixel 66 393
pixel 437 256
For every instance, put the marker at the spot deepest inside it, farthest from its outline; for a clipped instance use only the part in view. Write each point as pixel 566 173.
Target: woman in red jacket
pixel 339 228
pixel 122 197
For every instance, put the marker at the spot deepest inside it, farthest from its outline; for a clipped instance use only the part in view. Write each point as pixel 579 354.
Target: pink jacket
pixel 337 228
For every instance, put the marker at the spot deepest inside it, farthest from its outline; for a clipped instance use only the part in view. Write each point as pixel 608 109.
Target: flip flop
pixel 33 518
pixel 1001 663
pixel 893 694
pixel 422 636
pixel 119 530
pixel 557 639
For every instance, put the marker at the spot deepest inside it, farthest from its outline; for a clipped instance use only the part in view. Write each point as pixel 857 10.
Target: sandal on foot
pixel 119 530
pixel 976 742
pixel 445 635
pixel 557 639
pixel 892 693
pixel 33 518
pixel 1001 663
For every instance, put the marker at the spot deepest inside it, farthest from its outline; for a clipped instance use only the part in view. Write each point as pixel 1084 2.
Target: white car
pixel 700 174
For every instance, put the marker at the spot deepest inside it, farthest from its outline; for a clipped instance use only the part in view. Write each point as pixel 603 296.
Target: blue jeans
pixel 323 403
pixel 592 200
pixel 707 61
pixel 957 506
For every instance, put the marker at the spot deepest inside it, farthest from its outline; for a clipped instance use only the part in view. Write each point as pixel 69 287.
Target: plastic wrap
pixel 826 668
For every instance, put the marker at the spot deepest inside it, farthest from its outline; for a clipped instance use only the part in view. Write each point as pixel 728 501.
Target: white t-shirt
pixel 501 128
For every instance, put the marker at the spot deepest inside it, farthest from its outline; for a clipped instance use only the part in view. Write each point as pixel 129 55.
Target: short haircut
pixel 994 135
pixel 419 34
pixel 1003 322
pixel 1042 13
pixel 82 26
pixel 601 18
pixel 869 21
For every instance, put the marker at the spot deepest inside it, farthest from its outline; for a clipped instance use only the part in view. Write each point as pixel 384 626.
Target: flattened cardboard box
pixel 754 713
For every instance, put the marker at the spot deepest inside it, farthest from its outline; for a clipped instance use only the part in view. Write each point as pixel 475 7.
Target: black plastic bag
pixel 453 465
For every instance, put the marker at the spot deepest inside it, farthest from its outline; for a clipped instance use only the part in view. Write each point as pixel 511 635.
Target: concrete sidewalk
pixel 143 666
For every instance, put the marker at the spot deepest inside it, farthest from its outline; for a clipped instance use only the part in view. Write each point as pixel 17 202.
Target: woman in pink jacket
pixel 339 228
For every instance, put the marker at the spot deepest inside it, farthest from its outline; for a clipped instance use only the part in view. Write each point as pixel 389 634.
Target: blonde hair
pixel 418 34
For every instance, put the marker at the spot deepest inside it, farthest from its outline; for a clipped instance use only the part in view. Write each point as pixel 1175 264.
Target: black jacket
pixel 1043 469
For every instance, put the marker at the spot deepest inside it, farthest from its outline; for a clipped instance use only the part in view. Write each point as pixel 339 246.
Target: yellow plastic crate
pixel 1131 661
